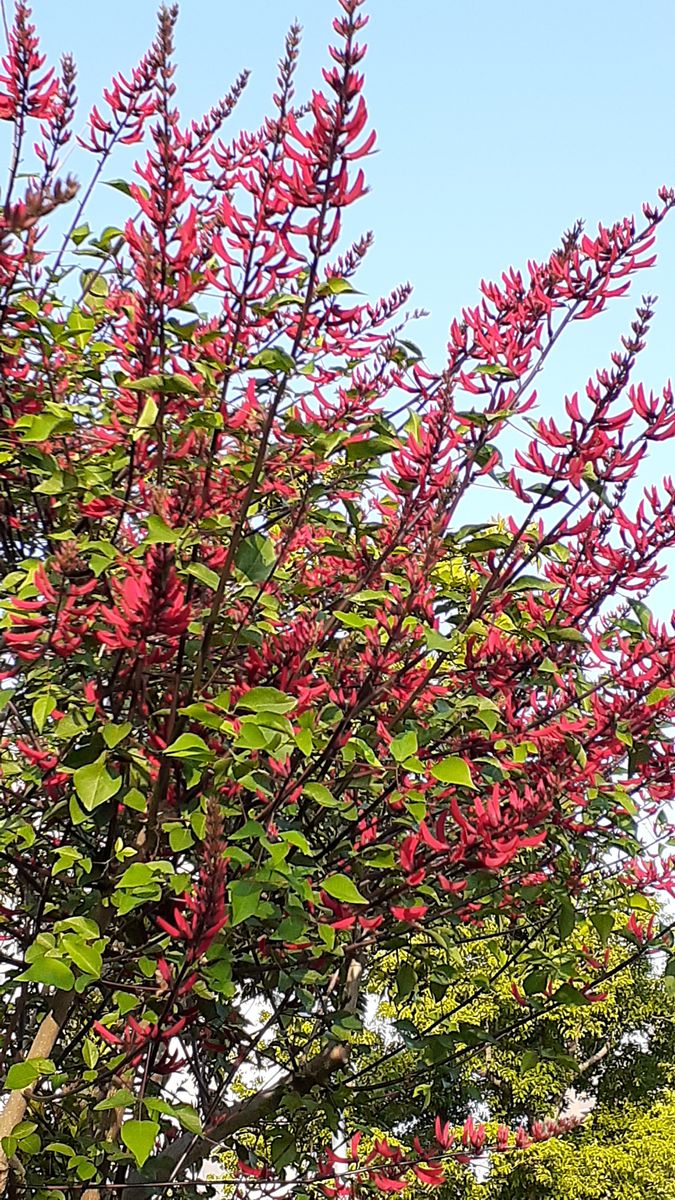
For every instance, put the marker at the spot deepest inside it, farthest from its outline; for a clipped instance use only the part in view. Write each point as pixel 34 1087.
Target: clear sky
pixel 498 123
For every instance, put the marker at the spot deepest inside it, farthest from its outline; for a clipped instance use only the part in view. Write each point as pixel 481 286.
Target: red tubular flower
pixel 414 913
pixel 522 1138
pixel 207 905
pixel 24 93
pixel 386 1183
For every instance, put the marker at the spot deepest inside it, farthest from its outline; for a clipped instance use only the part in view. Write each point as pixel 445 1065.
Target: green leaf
pixel 342 888
pixel 186 1114
pixel 327 935
pixel 335 287
pixel 567 633
pixel 134 799
pixel 406 980
pixel 125 1002
pixel 273 360
pixel 94 785
pixel 148 415
pixel 643 614
pixel 437 641
pixel 404 746
pixel 180 839
pixel 60 1148
pixel 567 918
pixel 139 1137
pixel 292 927
pixel 85 1168
pixel 530 583
pixel 204 574
pixel 137 875
pixel 491 541
pixel 245 899
pixel 529 1059
pixel 53 972
pixel 320 795
pixel 189 747
pixel 165 384
pixel 188 1117
pixel 94 284
pixel 85 956
pixel 23 1074
pixel 367 448
pixel 535 983
pixel 495 369
pixel 255 558
pixel 40 427
pixel 305 742
pixel 42 708
pixel 90 1051
pixel 159 532
pixel 295 838
pixel 120 1099
pixel 120 185
pixel 569 995
pixel 603 922
pixel 453 770
pixel 267 699
pixel 283 1150
pixel 114 734
pixel 53 486
pixel 353 620
pixel 251 829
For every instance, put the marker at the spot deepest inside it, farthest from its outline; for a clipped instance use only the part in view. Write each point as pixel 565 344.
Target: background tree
pixel 272 712
pixel 614 1059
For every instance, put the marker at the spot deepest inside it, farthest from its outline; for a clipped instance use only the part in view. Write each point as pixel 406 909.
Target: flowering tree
pixel 272 713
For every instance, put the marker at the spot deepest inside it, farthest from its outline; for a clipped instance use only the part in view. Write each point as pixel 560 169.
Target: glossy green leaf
pixel 404 746
pixel 85 956
pixel 53 972
pixel 453 770
pixel 256 557
pixel 139 1137
pixel 567 918
pixel 406 980
pixel 342 888
pixel 94 785
pixel 189 747
pixel 149 414
pixel 603 922
pixel 159 532
pixel 42 708
pixel 245 899
pixel 267 698
pixel 24 1074
pixel 567 994
pixel 274 360
pixel 321 795
pixel 204 574
pixel 122 1098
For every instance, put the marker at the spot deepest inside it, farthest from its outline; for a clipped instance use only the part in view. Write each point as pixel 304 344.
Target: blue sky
pixel 499 124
